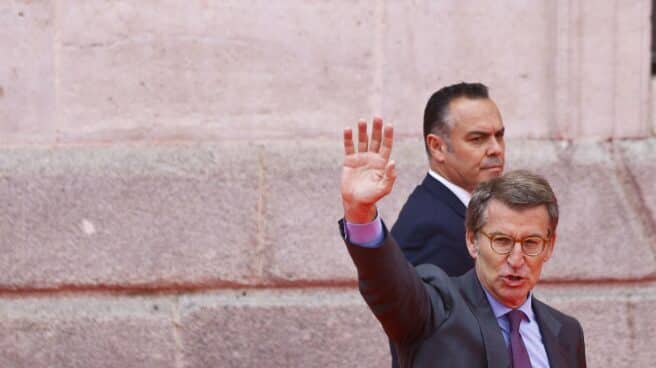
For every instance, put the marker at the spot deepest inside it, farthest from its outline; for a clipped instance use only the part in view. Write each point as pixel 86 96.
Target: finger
pixel 363 139
pixel 390 176
pixel 376 134
pixel 388 139
pixel 349 149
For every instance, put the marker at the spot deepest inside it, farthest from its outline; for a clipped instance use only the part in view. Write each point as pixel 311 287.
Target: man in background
pixel 463 137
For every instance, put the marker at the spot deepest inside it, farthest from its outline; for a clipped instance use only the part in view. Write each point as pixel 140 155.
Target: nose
pixel 516 257
pixel 496 146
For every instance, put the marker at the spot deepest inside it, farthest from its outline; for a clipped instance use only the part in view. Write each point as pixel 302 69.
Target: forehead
pixel 475 114
pixel 518 222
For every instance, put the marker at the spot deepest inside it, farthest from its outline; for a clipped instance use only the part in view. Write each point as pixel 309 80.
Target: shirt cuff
pixel 369 235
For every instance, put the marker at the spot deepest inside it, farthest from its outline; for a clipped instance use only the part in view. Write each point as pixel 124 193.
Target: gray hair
pixel 518 189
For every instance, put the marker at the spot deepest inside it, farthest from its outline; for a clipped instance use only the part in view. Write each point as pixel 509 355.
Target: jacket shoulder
pixel 562 317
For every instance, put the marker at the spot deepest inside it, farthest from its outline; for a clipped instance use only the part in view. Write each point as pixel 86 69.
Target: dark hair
pixel 516 189
pixel 436 111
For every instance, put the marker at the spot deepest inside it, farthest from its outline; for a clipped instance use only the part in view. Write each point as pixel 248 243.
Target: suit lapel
pixel 444 194
pixel 550 329
pixel 496 350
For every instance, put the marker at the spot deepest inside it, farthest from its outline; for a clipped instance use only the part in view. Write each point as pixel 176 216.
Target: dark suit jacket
pixel 441 321
pixel 431 228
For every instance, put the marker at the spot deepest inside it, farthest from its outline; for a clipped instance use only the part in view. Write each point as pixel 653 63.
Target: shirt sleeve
pixel 369 235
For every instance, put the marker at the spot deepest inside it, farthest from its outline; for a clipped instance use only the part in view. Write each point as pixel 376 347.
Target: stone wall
pixel 169 170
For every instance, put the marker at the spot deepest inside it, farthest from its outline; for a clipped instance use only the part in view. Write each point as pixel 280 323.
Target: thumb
pixel 389 176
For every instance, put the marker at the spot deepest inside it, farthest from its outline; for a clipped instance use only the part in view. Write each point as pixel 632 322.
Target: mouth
pixel 513 280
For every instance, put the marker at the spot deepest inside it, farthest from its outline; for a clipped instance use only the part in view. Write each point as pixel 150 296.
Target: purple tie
pixel 517 349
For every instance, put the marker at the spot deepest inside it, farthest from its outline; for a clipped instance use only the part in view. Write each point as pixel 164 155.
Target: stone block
pixel 303 205
pixel 212 70
pixel 639 156
pixel 27 75
pixel 642 331
pixel 601 233
pixel 81 332
pixel 597 75
pixel 305 328
pixel 430 44
pixel 129 216
pixel 632 65
pixel 602 69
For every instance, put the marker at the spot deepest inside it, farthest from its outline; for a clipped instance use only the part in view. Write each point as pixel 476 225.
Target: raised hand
pixel 368 173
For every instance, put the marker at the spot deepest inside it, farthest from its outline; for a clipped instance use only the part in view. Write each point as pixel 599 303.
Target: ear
pixel 550 248
pixel 471 244
pixel 437 147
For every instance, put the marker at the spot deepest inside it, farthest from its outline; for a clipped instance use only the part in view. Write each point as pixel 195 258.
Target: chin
pixel 515 298
pixel 486 176
pixel 493 173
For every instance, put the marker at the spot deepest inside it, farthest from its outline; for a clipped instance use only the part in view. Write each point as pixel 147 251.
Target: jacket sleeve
pixel 394 292
pixel 581 363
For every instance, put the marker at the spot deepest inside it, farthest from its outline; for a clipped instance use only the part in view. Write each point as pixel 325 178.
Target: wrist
pixel 359 214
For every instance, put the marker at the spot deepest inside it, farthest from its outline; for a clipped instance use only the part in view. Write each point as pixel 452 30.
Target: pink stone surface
pixel 217 215
pixel 598 96
pixel 215 70
pixel 129 217
pixel 640 160
pixel 27 93
pixel 642 332
pixel 315 328
pixel 632 75
pixel 303 206
pixel 84 332
pixel 447 42
pixel 596 65
pixel 121 71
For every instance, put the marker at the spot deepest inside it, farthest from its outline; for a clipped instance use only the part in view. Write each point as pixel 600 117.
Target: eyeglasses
pixel 504 244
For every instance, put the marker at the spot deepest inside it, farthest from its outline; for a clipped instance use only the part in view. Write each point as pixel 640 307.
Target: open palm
pixel 368 173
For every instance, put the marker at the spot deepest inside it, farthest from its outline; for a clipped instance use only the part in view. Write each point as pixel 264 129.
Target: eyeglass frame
pixel 489 237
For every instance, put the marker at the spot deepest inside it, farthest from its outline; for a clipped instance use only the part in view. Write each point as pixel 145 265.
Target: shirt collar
pixel 463 195
pixel 500 310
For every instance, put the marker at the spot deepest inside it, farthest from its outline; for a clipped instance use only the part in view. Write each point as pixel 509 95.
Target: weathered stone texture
pixel 614 96
pixel 27 94
pixel 447 42
pixel 301 211
pixel 129 216
pixel 81 332
pixel 212 70
pixel 319 328
pixel 640 159
pixel 632 96
pixel 108 71
pixel 303 206
pixel 238 213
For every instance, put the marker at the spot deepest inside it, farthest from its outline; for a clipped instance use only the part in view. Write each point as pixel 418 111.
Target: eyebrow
pixel 523 237
pixel 486 132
